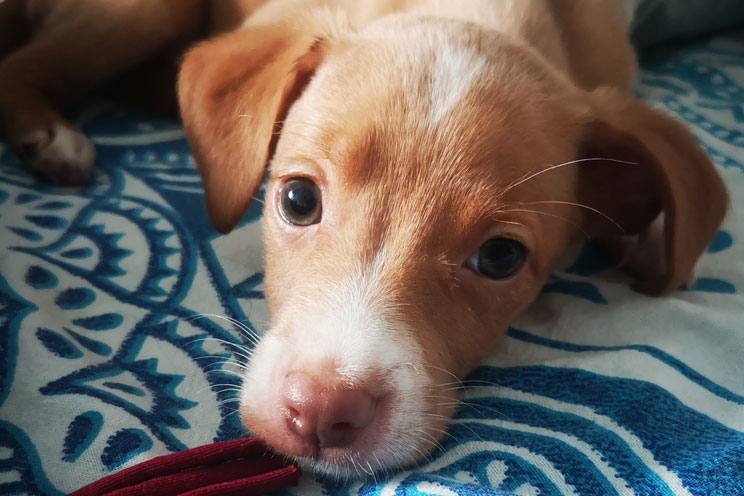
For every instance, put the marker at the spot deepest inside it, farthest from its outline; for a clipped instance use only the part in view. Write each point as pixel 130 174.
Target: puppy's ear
pixel 656 171
pixel 232 91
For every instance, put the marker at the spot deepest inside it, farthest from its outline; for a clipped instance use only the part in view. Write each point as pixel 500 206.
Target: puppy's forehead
pixel 433 118
pixel 428 100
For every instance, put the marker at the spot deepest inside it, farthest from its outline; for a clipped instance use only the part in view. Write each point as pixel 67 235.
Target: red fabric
pixel 235 467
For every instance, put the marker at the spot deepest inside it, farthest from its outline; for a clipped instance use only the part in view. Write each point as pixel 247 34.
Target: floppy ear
pixel 656 168
pixel 232 91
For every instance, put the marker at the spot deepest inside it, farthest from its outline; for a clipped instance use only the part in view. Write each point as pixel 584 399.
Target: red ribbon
pixel 240 467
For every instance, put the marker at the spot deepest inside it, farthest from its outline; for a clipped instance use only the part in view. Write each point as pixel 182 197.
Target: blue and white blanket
pixel 111 351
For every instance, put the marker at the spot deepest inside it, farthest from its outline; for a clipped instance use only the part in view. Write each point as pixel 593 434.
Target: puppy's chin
pixel 377 394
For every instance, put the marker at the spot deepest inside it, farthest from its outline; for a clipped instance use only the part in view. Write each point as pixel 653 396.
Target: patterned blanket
pixel 118 305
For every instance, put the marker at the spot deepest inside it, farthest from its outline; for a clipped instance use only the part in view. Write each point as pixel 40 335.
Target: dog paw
pixel 63 154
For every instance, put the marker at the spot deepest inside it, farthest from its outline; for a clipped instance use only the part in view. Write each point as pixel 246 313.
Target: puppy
pixel 430 162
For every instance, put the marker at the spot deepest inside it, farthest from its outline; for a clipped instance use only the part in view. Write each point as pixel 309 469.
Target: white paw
pixel 65 155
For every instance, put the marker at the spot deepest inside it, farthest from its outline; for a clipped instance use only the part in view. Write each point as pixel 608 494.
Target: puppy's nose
pixel 325 416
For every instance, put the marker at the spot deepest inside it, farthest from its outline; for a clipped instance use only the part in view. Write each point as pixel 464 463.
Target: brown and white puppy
pixel 434 160
pixel 430 161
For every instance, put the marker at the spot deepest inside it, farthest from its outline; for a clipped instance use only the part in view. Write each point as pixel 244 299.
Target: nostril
pixel 346 415
pixel 302 425
pixel 342 429
pixel 292 413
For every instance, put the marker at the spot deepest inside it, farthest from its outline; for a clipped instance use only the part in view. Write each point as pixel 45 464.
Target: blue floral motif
pixel 77 253
pixel 103 322
pixel 21 471
pixel 90 344
pixel 40 278
pixel 713 285
pixel 58 344
pixel 579 289
pixel 26 233
pixel 75 298
pixel 722 241
pixel 81 432
pixel 47 221
pixel 123 446
pixel 13 310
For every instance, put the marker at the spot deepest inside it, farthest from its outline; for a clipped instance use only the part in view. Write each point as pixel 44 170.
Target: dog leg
pixel 76 44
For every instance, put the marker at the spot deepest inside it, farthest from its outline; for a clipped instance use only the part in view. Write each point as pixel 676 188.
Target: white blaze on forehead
pixel 453 73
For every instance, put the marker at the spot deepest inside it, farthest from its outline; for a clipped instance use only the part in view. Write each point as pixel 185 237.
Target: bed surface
pixel 112 351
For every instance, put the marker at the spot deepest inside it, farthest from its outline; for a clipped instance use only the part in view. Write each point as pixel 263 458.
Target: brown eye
pixel 498 258
pixel 300 202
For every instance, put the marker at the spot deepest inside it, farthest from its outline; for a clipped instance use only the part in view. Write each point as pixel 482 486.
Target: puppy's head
pixel 426 178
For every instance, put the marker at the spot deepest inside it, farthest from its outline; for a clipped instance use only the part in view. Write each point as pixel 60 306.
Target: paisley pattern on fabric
pixel 121 338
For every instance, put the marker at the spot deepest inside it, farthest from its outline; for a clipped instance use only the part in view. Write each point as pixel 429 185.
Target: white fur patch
pixel 69 146
pixel 454 72
pixel 346 327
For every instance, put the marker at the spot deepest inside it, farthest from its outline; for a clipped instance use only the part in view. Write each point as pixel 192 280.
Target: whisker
pixel 246 351
pixel 227 385
pixel 457 379
pixel 221 391
pixel 510 222
pixel 558 166
pixel 580 205
pixel 428 437
pixel 472 431
pixel 225 360
pixel 230 414
pixel 477 408
pixel 443 432
pixel 218 340
pixel 468 383
pixel 228 372
pixel 471 384
pixel 586 234
pixel 250 333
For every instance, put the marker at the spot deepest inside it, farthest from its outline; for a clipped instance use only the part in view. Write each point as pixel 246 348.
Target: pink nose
pixel 325 416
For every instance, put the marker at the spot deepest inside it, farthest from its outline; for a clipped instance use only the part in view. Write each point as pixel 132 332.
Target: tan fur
pixel 341 93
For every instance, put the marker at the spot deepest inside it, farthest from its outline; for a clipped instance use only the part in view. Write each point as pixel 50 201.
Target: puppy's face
pixel 416 203
pixel 415 255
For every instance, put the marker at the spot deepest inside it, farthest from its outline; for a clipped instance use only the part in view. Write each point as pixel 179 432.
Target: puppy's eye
pixel 498 258
pixel 299 202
